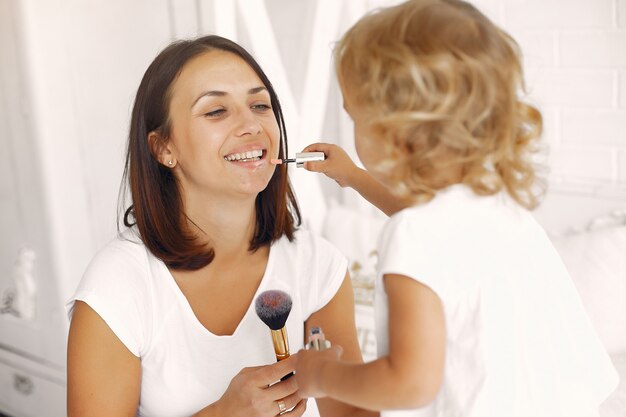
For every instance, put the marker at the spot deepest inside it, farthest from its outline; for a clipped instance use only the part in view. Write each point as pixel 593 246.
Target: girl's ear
pixel 161 149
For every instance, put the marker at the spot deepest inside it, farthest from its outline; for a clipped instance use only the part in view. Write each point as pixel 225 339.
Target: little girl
pixel 475 312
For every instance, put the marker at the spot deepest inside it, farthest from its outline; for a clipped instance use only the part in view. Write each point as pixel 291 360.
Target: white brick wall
pixel 621 13
pixel 621 166
pixel 575 61
pixel 594 127
pixel 565 14
pixel 567 162
pixel 538 48
pixel 562 14
pixel 622 89
pixel 589 49
pixel 564 87
pixel 551 127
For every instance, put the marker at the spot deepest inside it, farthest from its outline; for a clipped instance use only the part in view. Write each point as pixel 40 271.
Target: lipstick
pixel 301 158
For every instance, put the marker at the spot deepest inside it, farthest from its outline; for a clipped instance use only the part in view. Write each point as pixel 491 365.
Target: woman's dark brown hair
pixel 157 209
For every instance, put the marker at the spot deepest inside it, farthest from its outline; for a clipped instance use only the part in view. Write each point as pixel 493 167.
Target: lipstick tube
pixel 303 157
pixel 317 340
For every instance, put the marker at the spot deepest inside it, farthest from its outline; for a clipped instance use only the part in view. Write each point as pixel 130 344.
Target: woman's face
pixel 223 129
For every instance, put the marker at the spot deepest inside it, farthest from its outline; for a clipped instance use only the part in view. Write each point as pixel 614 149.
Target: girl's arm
pixel 376 193
pixel 337 322
pixel 339 167
pixel 408 377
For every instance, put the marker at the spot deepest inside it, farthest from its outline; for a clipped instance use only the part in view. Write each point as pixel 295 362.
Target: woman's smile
pixel 248 157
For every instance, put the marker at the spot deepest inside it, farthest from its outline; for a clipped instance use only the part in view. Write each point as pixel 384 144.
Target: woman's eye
pixel 261 107
pixel 215 113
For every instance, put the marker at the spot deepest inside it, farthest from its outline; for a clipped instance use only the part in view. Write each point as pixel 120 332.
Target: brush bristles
pixel 273 307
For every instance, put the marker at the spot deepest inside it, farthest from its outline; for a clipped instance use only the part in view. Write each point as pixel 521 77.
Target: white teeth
pixel 245 156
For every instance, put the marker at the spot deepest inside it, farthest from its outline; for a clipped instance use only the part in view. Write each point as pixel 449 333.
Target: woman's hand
pixel 249 393
pixel 337 165
pixel 309 368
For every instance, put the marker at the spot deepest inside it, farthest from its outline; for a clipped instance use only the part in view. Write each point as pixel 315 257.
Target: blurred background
pixel 69 70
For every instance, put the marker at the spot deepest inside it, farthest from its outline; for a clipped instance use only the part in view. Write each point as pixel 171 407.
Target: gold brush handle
pixel 281 343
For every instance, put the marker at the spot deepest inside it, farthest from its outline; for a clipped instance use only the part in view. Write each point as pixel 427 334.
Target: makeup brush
pixel 273 308
pixel 301 158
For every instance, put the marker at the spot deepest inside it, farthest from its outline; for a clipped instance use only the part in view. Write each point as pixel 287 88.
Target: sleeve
pixel 408 248
pixel 327 268
pixel 114 286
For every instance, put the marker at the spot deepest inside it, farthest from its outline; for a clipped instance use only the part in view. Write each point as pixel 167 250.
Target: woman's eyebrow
pixel 256 90
pixel 212 93
pixel 217 93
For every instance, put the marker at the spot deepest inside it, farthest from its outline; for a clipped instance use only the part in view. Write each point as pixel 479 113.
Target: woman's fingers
pixel 259 392
pixel 283 389
pixel 271 373
pixel 284 394
pixel 299 409
pixel 281 405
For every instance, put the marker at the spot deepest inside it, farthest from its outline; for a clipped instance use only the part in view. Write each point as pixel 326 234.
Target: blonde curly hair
pixel 441 83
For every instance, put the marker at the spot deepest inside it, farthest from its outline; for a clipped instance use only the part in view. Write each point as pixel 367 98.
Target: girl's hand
pixel 250 394
pixel 340 168
pixel 337 165
pixel 309 370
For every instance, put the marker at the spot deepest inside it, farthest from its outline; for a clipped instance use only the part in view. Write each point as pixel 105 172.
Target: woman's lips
pixel 248 159
pixel 245 156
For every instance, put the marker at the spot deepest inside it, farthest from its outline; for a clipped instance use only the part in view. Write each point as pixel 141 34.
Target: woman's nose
pixel 248 124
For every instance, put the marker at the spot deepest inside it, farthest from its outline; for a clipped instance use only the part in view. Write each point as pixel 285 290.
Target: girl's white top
pixel 184 367
pixel 519 343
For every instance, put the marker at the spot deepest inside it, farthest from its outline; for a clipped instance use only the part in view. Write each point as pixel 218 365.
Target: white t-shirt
pixel 519 343
pixel 184 367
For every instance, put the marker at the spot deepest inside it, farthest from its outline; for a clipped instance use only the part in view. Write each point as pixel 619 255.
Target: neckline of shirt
pixel 188 311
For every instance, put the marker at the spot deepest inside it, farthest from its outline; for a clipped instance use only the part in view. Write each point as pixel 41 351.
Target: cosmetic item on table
pixel 317 341
pixel 301 158
pixel 273 308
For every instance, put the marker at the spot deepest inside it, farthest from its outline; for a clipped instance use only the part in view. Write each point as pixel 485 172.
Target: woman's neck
pixel 226 224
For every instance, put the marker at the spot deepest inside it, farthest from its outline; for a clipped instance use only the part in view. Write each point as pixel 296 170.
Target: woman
pixel 163 322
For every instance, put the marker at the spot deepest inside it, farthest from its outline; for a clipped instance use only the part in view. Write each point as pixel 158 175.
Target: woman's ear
pixel 161 149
